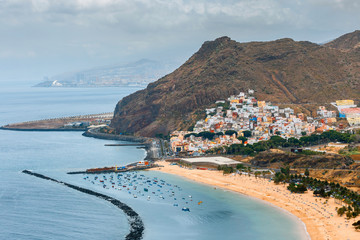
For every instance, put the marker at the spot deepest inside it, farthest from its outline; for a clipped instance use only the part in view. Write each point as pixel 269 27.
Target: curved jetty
pixel 135 222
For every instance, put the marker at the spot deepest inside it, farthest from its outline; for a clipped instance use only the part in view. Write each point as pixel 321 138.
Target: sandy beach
pixel 318 214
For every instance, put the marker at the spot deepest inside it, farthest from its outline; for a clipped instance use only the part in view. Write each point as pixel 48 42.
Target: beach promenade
pixel 318 214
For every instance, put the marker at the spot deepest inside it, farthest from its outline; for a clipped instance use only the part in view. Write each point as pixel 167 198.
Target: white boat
pixel 185 209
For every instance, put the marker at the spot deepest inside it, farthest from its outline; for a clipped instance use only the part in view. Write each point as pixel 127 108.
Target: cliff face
pixel 281 71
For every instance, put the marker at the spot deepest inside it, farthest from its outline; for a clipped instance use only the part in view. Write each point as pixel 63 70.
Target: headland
pixel 73 123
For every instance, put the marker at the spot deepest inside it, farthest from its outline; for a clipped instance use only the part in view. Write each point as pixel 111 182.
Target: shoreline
pixel 43 129
pixel 57 124
pixel 149 146
pixel 317 215
pixel 149 155
pixel 93 133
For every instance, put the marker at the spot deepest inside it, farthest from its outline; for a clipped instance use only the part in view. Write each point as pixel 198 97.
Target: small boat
pixel 185 209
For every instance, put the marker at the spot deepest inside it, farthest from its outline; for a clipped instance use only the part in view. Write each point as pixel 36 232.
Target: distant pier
pixel 127 168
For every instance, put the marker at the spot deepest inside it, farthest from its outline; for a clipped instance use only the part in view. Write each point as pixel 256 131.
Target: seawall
pixel 95 134
pixel 136 224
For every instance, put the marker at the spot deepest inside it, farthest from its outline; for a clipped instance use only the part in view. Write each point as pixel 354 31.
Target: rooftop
pixel 350 110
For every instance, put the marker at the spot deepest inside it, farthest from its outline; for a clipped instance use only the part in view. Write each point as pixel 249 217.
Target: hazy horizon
pixel 44 38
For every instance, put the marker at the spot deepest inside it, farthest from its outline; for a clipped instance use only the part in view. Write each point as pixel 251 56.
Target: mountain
pixel 346 42
pixel 282 71
pixel 138 73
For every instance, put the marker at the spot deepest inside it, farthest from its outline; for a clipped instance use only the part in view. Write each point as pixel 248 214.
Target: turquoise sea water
pixel 33 208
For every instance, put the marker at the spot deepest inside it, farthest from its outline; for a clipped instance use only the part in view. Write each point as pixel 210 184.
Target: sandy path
pixel 318 215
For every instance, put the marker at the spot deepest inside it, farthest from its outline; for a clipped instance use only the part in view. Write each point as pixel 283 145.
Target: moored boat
pixel 185 209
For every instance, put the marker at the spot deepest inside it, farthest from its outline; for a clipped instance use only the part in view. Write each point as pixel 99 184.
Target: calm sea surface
pixel 33 208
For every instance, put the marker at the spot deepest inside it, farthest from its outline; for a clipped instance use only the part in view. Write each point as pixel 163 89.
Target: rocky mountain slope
pixel 282 71
pixel 346 42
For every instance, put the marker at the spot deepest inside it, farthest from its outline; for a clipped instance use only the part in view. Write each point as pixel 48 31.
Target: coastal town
pixel 240 120
pixel 243 119
pixel 181 120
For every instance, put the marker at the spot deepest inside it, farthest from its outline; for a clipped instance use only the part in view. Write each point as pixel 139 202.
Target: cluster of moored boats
pixel 141 186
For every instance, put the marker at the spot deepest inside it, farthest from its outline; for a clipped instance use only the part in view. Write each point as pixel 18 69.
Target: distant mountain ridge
pixel 281 71
pixel 138 73
pixel 346 42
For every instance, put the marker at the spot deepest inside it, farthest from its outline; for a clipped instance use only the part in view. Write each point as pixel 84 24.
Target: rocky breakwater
pixel 95 133
pixel 150 145
pixel 136 224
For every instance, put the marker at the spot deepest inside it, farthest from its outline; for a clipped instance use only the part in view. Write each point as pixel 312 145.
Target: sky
pixel 43 38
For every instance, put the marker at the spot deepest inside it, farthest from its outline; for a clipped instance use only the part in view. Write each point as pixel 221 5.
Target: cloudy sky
pixel 42 37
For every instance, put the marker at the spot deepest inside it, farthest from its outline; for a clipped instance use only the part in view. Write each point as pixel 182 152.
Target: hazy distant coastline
pixel 139 74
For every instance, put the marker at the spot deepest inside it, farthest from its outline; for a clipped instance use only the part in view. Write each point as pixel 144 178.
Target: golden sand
pixel 319 215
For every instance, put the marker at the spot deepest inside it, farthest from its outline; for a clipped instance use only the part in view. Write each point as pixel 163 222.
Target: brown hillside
pixel 346 42
pixel 277 160
pixel 281 71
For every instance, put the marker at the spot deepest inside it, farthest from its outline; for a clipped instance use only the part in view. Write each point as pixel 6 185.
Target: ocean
pixel 33 208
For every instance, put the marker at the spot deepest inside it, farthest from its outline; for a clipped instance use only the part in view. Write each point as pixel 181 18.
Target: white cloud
pixel 107 30
pixel 156 12
pixel 40 5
